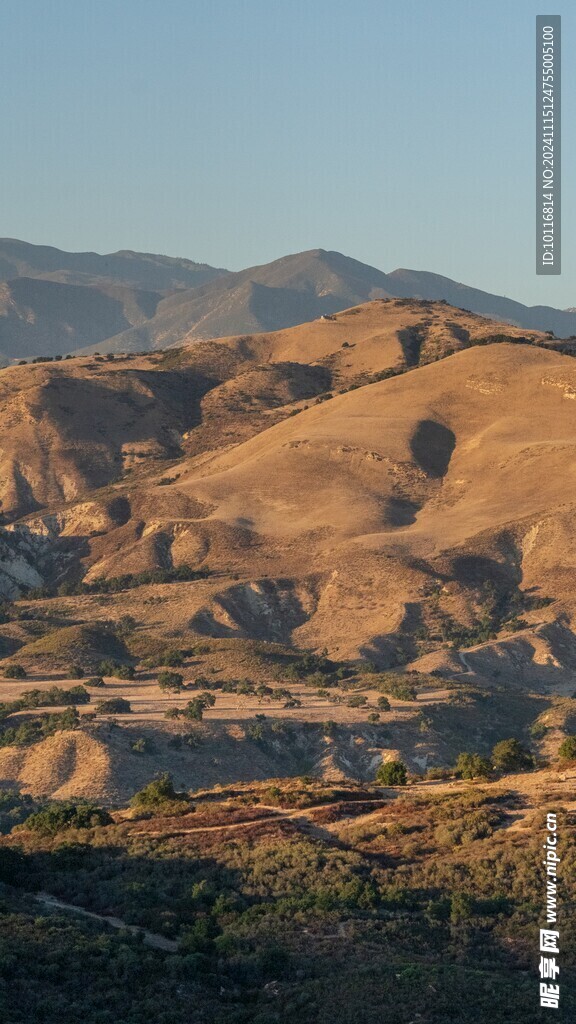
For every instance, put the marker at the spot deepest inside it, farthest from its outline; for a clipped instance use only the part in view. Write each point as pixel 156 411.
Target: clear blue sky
pixel 236 131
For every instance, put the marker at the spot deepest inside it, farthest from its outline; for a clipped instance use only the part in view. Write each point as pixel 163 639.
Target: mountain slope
pixel 45 318
pixel 87 422
pixel 423 285
pixel 289 291
pixel 329 527
pixel 134 269
pixel 135 302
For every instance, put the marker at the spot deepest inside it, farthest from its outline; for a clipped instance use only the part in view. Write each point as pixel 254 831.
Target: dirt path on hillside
pixel 279 814
pixel 150 938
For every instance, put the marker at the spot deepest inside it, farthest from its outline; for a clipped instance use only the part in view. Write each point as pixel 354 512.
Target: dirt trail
pixel 278 815
pixel 150 938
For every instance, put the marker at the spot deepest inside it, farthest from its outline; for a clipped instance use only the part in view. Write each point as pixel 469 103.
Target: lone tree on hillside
pixel 195 708
pixel 392 773
pixel 157 793
pixel 510 755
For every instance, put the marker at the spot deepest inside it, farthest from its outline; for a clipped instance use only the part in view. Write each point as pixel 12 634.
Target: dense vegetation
pixel 31 730
pixel 426 911
pixel 54 696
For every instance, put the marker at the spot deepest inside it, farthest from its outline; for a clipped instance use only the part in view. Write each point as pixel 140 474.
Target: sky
pixel 234 132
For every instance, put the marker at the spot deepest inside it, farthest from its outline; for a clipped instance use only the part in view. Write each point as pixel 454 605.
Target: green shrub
pixel 14 672
pixel 158 792
pixel 392 773
pixel 59 816
pixel 116 584
pixel 170 682
pixel 396 684
pixel 472 766
pixel 76 671
pixel 195 708
pixel 34 729
pixel 567 749
pixel 310 664
pixel 172 659
pixel 125 672
pixel 357 701
pixel 53 697
pixel 113 706
pixel 142 746
pixel 115 670
pixel 96 681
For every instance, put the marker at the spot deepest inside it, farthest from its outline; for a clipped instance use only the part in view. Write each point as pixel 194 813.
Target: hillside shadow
pixel 475 570
pixel 432 445
pixel 400 512
pixel 142 891
pixel 411 340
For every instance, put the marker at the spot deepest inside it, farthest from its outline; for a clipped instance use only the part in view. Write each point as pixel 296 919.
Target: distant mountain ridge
pixel 129 301
pixel 420 284
pixel 141 270
pixel 304 286
pixel 284 293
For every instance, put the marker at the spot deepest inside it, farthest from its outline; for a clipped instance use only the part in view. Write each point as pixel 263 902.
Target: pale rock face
pixel 17 568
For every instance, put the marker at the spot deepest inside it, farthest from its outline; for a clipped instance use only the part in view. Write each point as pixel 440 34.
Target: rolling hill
pixel 72 426
pixel 393 484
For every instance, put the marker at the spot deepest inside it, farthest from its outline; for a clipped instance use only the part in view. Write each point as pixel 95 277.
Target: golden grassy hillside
pixel 394 484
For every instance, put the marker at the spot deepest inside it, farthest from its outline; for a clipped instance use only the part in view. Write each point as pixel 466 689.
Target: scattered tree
pixel 357 701
pixel 59 816
pixel 170 682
